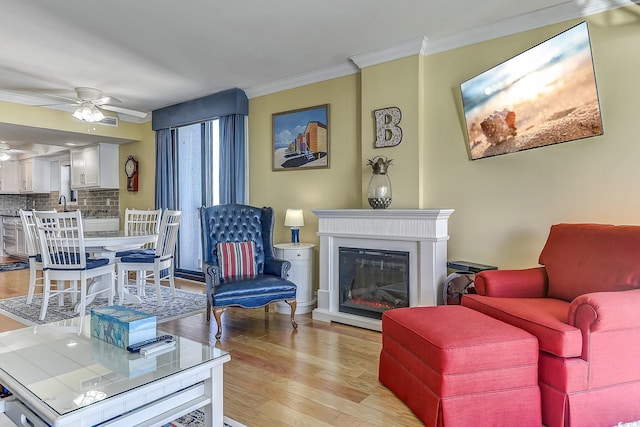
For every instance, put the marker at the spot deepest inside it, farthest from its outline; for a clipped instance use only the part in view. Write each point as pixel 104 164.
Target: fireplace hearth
pixel 412 243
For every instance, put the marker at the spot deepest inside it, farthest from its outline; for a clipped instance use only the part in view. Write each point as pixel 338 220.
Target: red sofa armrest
pixel 606 311
pixel 527 283
pixel 610 326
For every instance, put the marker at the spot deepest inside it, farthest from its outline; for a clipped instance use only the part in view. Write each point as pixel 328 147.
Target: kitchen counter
pixel 15 215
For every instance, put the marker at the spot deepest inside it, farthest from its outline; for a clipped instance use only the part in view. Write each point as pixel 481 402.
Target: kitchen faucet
pixel 60 201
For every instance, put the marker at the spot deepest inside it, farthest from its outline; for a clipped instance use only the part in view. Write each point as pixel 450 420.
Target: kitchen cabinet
pixel 13 242
pixel 9 171
pixel 55 175
pixel 95 166
pixel 35 175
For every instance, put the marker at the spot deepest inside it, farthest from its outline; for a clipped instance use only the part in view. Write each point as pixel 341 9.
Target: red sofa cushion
pixel 546 318
pixel 578 259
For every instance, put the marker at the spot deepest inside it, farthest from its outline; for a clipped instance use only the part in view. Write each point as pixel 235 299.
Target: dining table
pixel 105 244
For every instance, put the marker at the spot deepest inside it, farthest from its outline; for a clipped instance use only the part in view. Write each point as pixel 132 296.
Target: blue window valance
pixel 225 103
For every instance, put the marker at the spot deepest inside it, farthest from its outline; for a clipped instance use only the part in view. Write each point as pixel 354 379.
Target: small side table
pixel 461 280
pixel 300 256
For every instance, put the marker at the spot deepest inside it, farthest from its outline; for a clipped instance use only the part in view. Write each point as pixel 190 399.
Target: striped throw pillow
pixel 237 259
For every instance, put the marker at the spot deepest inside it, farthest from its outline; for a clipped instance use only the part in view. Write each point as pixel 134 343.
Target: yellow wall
pixel 506 204
pixel 337 187
pixel 144 152
pixel 503 205
pixel 393 84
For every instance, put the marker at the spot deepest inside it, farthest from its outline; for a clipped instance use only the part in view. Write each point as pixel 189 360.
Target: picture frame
pixel 300 139
pixel 543 96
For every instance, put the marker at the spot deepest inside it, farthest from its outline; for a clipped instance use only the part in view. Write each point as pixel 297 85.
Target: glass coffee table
pixel 61 378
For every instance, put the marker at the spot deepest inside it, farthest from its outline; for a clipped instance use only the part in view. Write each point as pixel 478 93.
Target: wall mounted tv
pixel 543 96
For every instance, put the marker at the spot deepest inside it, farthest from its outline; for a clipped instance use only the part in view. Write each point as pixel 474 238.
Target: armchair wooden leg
pixel 294 304
pixel 217 313
pixel 208 309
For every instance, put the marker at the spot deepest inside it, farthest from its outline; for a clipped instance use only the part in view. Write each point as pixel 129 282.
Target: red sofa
pixel 583 305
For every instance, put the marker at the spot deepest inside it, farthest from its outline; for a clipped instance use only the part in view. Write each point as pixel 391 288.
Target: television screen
pixel 543 96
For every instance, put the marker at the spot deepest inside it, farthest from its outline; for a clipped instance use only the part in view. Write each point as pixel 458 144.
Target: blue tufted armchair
pixel 242 223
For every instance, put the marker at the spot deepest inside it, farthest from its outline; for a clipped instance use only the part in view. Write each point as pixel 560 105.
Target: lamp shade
pixel 294 218
pixel 87 112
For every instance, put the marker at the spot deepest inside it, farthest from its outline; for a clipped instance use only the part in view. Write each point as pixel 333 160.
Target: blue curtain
pixel 232 159
pixel 166 161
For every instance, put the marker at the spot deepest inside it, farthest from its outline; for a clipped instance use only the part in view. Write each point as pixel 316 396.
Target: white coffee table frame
pixel 153 403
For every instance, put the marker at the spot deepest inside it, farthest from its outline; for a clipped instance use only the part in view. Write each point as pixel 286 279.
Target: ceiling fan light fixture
pixel 4 157
pixel 87 112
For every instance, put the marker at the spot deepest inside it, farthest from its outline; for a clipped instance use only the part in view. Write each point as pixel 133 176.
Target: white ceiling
pixel 155 53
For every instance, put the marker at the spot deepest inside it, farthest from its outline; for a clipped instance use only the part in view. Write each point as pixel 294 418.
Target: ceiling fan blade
pixel 56 104
pixel 106 100
pixel 126 111
pixel 61 99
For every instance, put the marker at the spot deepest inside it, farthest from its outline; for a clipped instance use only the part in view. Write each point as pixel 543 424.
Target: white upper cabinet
pixel 9 171
pixel 95 166
pixel 35 175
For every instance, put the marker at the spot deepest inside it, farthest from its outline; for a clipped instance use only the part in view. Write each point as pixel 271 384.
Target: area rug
pixel 196 419
pixel 12 266
pixel 184 304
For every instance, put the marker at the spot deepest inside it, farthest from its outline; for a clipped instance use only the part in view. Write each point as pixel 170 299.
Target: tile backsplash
pixel 92 203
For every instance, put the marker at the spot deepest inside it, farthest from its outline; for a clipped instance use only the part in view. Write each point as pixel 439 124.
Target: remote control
pixel 135 348
pixel 157 347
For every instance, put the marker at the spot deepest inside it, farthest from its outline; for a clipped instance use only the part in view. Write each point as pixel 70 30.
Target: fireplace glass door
pixel 372 281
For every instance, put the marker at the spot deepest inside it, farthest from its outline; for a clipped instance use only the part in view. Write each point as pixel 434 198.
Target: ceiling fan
pixel 91 101
pixel 6 151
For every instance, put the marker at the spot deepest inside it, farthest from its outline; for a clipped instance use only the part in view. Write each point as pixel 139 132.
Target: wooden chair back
pixel 168 234
pixel 137 221
pixel 61 240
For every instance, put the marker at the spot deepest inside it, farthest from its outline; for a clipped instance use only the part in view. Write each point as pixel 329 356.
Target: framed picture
pixel 545 95
pixel 301 139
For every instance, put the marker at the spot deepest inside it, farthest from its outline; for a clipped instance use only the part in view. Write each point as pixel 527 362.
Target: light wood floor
pixel 320 375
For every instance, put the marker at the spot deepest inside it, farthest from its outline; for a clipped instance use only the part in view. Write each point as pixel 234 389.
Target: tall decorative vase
pixel 379 190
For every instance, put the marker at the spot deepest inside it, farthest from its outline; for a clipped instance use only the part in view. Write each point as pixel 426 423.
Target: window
pixel 197 176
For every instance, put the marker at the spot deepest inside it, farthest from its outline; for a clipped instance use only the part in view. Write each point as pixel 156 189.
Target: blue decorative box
pixel 122 326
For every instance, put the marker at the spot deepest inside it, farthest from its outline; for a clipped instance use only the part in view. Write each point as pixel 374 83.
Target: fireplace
pixel 372 282
pixel 411 242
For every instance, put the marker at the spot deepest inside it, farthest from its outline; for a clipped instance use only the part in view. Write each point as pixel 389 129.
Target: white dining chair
pixel 64 258
pixel 32 246
pixel 137 222
pixel 157 266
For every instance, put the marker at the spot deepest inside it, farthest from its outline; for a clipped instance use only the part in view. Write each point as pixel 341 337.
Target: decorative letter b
pixel 388 133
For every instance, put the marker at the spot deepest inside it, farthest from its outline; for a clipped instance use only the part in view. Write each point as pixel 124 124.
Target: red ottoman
pixel 454 366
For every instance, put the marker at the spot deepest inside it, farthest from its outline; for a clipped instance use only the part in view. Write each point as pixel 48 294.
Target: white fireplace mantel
pixel 423 233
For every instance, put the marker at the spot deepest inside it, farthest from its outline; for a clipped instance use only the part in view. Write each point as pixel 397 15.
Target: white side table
pixel 301 258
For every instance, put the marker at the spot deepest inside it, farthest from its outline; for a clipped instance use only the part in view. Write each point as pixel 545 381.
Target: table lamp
pixel 295 220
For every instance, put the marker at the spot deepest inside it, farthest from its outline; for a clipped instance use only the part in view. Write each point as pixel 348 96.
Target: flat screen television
pixel 543 96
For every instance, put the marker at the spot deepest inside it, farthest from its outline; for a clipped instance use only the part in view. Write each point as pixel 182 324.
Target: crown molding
pixel 570 9
pixel 540 18
pixel 328 73
pixel 412 47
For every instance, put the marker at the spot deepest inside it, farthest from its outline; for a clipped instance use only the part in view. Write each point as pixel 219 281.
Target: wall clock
pixel 131 170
